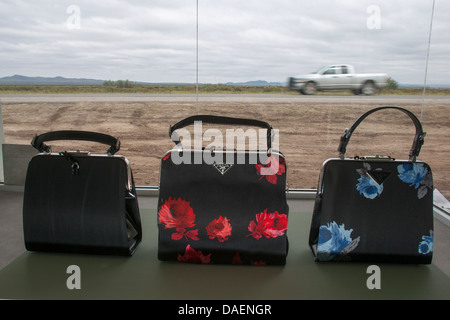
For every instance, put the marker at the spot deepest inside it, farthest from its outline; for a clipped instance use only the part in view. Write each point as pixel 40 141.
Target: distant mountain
pixel 24 80
pixel 256 83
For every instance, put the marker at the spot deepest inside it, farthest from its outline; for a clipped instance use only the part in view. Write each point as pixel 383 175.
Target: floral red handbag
pixel 222 206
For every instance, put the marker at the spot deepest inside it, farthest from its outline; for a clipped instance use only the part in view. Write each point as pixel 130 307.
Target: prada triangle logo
pixel 222 167
pixel 379 176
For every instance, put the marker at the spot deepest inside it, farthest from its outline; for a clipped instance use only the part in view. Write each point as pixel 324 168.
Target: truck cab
pixel 336 77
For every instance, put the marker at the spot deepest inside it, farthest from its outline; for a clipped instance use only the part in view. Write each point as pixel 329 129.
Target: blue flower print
pixel 369 188
pixel 412 173
pixel 426 245
pixel 334 242
pixel 417 176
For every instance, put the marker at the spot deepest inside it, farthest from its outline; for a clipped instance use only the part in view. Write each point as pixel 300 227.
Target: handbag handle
pixel 38 140
pixel 221 120
pixel 418 138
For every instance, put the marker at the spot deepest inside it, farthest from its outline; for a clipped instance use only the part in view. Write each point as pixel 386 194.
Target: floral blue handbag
pixel 374 209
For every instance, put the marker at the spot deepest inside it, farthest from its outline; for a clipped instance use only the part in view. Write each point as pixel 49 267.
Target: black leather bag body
pixel 374 209
pixel 223 206
pixel 77 202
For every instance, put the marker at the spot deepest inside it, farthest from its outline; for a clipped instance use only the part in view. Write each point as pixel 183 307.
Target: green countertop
pixel 44 275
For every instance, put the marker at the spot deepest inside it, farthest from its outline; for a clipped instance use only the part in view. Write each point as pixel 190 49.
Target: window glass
pixel 246 53
pixel 330 71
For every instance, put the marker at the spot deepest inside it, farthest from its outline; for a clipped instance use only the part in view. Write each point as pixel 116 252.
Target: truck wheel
pixel 368 88
pixel 309 88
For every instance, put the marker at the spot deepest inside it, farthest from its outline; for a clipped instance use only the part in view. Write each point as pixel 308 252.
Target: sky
pixel 155 40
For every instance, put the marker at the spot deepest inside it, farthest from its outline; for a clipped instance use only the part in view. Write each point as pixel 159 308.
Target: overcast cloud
pixel 155 41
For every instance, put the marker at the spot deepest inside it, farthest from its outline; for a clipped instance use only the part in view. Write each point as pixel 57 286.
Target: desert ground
pixel 308 132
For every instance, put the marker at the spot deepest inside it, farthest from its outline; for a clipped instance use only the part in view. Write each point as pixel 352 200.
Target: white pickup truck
pixel 339 77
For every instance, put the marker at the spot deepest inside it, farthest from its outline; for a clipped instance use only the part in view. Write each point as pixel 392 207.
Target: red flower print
pixel 270 225
pixel 274 166
pixel 180 233
pixel 258 263
pixel 167 156
pixel 279 225
pixel 178 214
pixel 259 227
pixel 237 259
pixel 193 256
pixel 219 228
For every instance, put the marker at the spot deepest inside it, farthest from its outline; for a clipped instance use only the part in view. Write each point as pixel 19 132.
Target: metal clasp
pixel 377 158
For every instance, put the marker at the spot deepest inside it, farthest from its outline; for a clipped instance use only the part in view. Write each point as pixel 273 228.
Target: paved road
pixel 255 98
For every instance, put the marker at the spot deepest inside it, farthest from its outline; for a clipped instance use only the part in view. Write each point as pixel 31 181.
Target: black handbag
pixel 77 202
pixel 223 206
pixel 374 209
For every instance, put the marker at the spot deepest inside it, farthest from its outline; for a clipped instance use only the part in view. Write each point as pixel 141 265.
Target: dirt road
pixel 213 98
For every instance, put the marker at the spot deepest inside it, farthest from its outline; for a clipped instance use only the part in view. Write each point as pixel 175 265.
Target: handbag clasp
pixel 375 158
